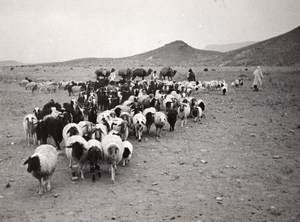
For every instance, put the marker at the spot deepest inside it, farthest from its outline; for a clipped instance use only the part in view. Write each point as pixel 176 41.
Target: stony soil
pixel 239 163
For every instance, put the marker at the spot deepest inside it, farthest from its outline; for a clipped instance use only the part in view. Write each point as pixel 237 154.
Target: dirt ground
pixel 239 163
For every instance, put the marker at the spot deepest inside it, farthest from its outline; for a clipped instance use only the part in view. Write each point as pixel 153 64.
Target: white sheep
pixel 76 150
pixel 71 129
pixel 95 156
pixel 160 120
pixel 87 128
pixel 128 149
pixel 113 149
pixel 184 111
pixel 29 125
pixel 139 123
pixel 42 165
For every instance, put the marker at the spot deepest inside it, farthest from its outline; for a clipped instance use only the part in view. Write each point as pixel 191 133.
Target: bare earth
pixel 250 141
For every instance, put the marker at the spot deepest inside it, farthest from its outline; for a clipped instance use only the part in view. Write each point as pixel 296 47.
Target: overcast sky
pixel 60 30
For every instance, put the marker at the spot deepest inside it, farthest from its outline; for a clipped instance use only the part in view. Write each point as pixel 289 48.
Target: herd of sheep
pixel 93 136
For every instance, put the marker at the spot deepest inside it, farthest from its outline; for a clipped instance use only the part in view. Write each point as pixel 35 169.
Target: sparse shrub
pixel 11 68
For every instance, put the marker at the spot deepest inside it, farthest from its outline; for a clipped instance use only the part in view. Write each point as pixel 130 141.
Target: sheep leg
pixel 71 164
pixel 112 173
pixel 98 170
pixel 182 123
pixel 160 129
pixel 48 183
pixel 81 171
pixel 41 186
pixel 124 163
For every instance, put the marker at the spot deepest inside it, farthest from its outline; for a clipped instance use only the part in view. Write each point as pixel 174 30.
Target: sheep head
pixel 33 164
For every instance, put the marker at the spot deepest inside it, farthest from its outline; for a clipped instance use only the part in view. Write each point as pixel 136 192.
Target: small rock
pixel 12 180
pixel 75 178
pixel 227 167
pixel 181 163
pixel 292 131
pixel 113 218
pixel 276 157
pixel 8 135
pixel 172 218
pixel 56 195
pixel 12 143
pixel 275 211
pixel 253 135
pixel 7 185
pixel 1 160
pixel 219 198
pixel 203 161
pixel 131 204
pixel 154 184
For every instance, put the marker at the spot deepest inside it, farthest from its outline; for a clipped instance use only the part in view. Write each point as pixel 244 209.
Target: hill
pixel 227 47
pixel 177 53
pixel 10 63
pixel 282 50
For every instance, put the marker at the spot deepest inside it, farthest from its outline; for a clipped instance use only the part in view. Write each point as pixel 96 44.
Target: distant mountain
pixel 10 63
pixel 283 50
pixel 176 53
pixel 227 47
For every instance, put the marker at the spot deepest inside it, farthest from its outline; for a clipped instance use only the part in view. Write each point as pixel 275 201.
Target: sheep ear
pixel 26 162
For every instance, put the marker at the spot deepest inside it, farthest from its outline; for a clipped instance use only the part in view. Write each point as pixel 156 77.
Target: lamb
pixel 172 119
pixel 42 165
pixel 113 149
pixel 30 126
pixel 94 156
pixel 139 122
pixel 183 112
pixel 128 148
pixel 160 120
pixel 77 150
pixel 71 129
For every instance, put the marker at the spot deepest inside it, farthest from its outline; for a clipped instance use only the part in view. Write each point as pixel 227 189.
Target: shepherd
pixel 258 76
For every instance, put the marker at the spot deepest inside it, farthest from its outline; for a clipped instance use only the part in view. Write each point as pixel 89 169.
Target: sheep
pixel 113 149
pixel 172 119
pixel 224 90
pixel 94 156
pixel 99 131
pixel 196 112
pixel 121 126
pixel 201 104
pixel 139 122
pixel 87 129
pixel 160 120
pixel 183 112
pixel 42 165
pixel 126 156
pixel 77 150
pixel 30 125
pixel 51 126
pixel 149 114
pixel 71 129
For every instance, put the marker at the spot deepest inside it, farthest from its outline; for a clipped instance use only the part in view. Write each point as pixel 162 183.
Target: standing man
pixel 258 76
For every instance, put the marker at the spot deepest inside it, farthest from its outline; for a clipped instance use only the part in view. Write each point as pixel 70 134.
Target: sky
pixel 33 31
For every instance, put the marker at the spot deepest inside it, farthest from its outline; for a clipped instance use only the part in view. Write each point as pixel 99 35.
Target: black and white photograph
pixel 150 110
